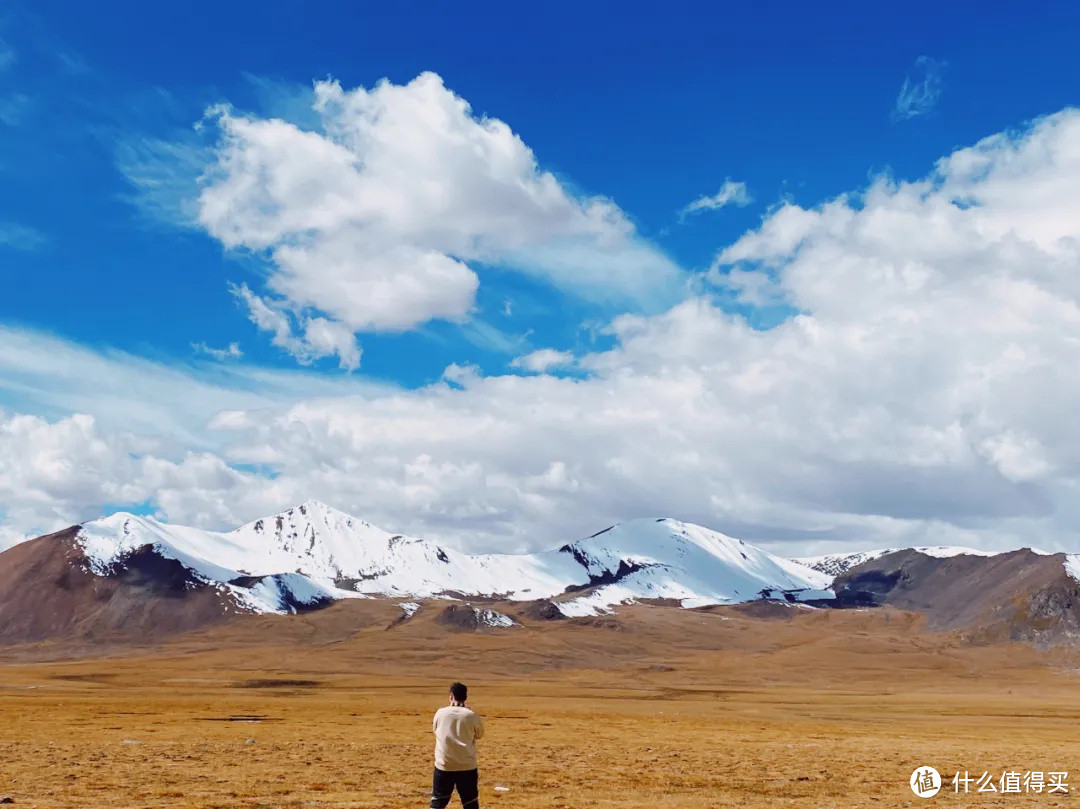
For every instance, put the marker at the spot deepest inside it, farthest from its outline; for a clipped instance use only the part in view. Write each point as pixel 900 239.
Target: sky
pixel 501 276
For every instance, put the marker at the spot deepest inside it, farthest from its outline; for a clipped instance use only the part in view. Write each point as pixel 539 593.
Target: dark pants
pixel 466 782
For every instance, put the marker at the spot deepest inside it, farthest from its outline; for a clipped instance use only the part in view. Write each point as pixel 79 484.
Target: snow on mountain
pixel 668 559
pixel 493 618
pixel 285 592
pixel 261 578
pixel 327 544
pixel 1072 566
pixel 313 553
pixel 835 564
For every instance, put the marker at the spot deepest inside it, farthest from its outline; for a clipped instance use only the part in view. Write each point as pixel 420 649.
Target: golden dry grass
pixel 672 710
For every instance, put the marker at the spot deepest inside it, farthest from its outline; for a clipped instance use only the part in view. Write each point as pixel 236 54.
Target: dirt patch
pixel 542 610
pixel 458 616
pixel 278 683
pixel 598 622
pixel 84 678
pixel 771 610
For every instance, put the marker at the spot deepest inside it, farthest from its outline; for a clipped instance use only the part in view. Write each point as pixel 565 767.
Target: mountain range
pixel 126 571
pixel 127 575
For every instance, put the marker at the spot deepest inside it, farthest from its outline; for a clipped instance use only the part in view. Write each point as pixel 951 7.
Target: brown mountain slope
pixel 1019 596
pixel 48 591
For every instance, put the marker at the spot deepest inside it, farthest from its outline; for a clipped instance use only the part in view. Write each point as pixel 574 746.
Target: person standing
pixel 456 729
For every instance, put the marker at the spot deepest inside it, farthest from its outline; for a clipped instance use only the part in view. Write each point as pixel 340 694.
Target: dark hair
pixel 459 691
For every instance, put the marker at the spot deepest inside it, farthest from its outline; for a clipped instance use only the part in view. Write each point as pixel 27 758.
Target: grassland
pixel 656 709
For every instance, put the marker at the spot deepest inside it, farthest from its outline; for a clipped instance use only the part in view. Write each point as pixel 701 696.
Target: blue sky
pixel 652 111
pixel 103 246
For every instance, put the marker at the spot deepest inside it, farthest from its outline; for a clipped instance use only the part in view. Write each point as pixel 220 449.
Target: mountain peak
pixel 311 515
pixel 121 517
pixel 313 507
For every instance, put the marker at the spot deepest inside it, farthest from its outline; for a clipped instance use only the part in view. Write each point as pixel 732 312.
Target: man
pixel 456 730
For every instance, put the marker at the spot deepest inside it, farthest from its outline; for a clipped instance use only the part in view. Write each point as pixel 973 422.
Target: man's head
pixel 459 692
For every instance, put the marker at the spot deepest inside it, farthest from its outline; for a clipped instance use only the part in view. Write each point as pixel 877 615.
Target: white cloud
pixel 47 375
pixel 921 89
pixel 925 392
pixel 328 337
pixel 319 337
pixel 543 360
pixel 374 218
pixel 730 193
pixel 54 474
pixel 231 352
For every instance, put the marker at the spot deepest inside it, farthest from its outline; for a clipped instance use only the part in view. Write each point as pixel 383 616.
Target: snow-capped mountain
pixel 668 559
pixel 132 576
pixel 833 564
pixel 314 553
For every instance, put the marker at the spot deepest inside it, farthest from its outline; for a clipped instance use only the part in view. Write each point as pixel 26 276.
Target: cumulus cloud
pixel 730 193
pixel 543 360
pixel 924 391
pixel 377 218
pixel 54 474
pixel 921 90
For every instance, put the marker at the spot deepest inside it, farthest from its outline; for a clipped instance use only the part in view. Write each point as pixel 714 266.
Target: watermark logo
pixel 925 782
pixel 1014 782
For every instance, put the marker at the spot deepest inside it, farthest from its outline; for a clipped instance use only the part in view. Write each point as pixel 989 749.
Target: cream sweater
pixel 456 730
